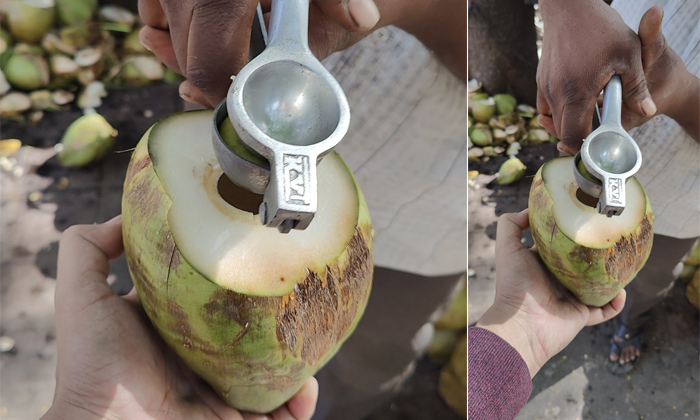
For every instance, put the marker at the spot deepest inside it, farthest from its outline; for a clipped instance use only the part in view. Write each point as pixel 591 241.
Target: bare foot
pixel 628 353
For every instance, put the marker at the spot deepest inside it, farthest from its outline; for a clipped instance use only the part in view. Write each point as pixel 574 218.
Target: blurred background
pixel 77 92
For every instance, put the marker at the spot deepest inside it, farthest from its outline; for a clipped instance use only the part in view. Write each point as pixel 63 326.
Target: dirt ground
pixel 576 384
pixel 40 199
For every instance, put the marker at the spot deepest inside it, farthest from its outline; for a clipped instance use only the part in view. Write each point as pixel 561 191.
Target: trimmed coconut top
pixel 87 56
pixel 582 223
pixel 117 14
pixel 61 64
pixel 230 246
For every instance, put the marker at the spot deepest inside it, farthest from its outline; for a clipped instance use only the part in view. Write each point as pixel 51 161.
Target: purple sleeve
pixel 499 380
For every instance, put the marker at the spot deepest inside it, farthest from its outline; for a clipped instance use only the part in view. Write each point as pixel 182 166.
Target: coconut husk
pixel 14 103
pixel 30 20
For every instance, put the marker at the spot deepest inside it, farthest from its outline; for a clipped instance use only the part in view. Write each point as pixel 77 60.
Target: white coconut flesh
pixel 230 246
pixel 582 223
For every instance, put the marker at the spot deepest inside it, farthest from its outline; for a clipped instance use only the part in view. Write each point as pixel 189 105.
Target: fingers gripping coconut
pixel 592 255
pixel 252 311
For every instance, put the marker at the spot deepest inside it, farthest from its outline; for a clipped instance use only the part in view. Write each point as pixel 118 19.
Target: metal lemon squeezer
pixel 609 154
pixel 286 107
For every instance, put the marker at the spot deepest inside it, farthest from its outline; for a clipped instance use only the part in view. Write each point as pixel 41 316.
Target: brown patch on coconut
pixel 305 315
pixel 146 289
pixel 137 167
pixel 539 198
pixel 627 256
pixel 318 312
pixel 145 199
pixel 235 306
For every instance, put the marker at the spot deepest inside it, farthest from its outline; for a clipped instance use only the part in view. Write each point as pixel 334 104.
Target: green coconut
pixel 140 70
pixel 592 255
pixel 71 12
pixel 511 171
pixel 688 272
pixel 482 109
pixel 252 311
pixel 455 316
pixel 481 135
pixel 533 124
pixel 538 136
pixel 505 104
pixel 26 70
pixel 30 20
pixel 132 44
pixel 694 257
pixel 452 385
pixel 87 140
pixel 442 346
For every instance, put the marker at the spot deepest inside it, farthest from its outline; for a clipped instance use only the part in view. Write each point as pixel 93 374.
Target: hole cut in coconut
pixel 585 199
pixel 238 197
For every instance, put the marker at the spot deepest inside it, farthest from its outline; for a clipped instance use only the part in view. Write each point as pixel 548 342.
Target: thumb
pixel 353 15
pixel 509 233
pixel 653 41
pixel 83 264
pixel 635 93
pixel 302 405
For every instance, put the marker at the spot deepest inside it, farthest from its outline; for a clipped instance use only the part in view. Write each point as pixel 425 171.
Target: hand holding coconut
pixel 532 311
pixel 112 364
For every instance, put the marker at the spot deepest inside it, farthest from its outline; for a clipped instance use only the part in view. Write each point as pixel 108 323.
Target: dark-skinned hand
pixel 585 43
pixel 207 41
pixel 664 72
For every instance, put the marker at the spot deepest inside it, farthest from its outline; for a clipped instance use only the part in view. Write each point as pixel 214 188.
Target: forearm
pixel 441 25
pixel 499 381
pixel 508 329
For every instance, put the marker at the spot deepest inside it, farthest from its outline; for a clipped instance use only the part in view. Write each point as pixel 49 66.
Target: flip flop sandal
pixel 630 337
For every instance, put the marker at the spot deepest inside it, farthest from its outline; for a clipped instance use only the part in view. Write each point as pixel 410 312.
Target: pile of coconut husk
pixel 57 52
pixel 499 126
pixel 449 350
